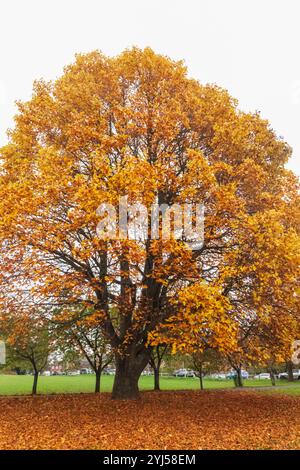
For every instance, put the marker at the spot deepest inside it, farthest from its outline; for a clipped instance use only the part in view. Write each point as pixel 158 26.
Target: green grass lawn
pixel 21 385
pixel 287 388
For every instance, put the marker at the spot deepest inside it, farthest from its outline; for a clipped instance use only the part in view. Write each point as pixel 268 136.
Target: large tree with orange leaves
pixel 136 125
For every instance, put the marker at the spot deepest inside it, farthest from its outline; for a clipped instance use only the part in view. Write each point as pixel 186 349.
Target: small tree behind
pixel 83 335
pixel 157 355
pixel 206 362
pixel 28 344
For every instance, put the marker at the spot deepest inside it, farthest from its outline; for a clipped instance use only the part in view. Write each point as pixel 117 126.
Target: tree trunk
pixel 156 378
pixel 98 380
pixel 238 378
pixel 201 378
pixel 35 382
pixel 289 366
pixel 273 380
pixel 128 371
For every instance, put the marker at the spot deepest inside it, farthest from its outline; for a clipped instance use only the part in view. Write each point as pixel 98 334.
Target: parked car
pixel 74 372
pixel 284 375
pixel 296 374
pixel 232 374
pixel 219 376
pixel 184 373
pixel 85 371
pixel 180 373
pixel 191 373
pixel 262 376
pixel 46 373
pixel 109 371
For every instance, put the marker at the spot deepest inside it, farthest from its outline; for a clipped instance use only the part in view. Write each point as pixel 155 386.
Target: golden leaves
pixel 201 319
pixel 136 125
pixel 216 420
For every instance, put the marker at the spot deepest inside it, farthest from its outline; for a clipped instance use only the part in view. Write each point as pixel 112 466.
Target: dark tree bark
pixel 156 378
pixel 238 380
pixel 273 380
pixel 94 350
pixel 126 383
pixel 155 362
pixel 35 382
pixel 201 377
pixel 98 380
pixel 289 366
pixel 128 371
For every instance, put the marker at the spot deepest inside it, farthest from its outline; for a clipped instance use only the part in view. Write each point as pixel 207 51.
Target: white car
pixel 85 371
pixel 219 376
pixel 74 372
pixel 262 376
pixel 296 374
pixel 284 375
pixel 184 373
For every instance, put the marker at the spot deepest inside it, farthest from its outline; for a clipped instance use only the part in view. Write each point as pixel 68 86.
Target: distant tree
pixel 272 369
pixel 80 335
pixel 289 368
pixel 28 344
pixel 207 362
pixel 156 358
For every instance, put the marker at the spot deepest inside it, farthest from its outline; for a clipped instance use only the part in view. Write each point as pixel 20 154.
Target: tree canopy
pixel 136 125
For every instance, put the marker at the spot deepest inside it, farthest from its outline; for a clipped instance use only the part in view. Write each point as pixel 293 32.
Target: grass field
pixel 289 389
pixel 21 385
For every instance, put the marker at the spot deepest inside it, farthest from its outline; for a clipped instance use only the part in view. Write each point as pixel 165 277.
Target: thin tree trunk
pixel 35 382
pixel 240 379
pixel 201 378
pixel 98 381
pixel 273 380
pixel 289 366
pixel 156 378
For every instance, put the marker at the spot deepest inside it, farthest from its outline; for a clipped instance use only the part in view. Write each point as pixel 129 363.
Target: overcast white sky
pixel 250 47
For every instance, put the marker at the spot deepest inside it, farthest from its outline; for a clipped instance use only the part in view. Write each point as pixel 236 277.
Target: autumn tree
pixel 28 344
pixel 136 125
pixel 207 362
pixel 80 334
pixel 157 355
pixel 259 279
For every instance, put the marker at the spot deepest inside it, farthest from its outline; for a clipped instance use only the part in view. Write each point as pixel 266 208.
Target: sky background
pixel 251 48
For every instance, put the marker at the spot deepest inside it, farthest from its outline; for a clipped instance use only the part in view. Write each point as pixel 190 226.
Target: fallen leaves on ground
pixel 159 420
